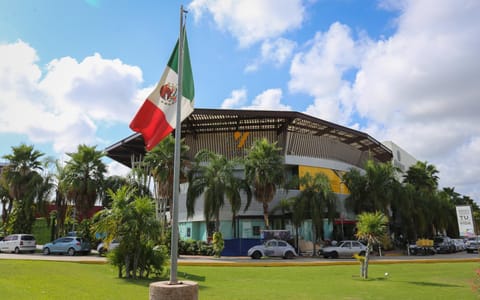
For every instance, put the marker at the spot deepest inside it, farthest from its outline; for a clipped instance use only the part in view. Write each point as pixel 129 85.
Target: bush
pixel 41 231
pixel 192 247
pixel 218 244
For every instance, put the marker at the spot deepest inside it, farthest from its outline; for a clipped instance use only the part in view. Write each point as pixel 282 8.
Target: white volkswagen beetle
pixel 272 248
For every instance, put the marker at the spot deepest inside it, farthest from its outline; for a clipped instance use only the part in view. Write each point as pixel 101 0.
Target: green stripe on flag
pixel 188 89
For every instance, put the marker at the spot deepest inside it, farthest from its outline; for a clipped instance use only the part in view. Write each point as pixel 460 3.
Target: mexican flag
pixel 158 115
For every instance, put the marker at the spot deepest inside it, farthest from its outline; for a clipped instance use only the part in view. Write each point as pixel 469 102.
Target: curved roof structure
pixel 222 121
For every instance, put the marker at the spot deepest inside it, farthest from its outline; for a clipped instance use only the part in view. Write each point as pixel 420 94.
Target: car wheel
pixel 288 255
pixel 102 251
pixel 46 251
pixel 256 255
pixel 362 253
pixel 71 252
pixel 17 250
pixel 334 254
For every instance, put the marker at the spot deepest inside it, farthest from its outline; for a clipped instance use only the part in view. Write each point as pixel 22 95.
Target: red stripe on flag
pixel 151 123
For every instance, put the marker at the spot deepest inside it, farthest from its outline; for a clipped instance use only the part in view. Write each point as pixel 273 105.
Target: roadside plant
pixel 218 243
pixel 371 227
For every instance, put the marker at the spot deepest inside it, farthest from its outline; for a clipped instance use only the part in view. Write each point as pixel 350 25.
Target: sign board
pixel 465 221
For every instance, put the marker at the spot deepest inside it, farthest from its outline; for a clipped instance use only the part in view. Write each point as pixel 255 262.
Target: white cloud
pixel 116 168
pixel 276 52
pixel 267 100
pixel 65 104
pixel 319 71
pixel 250 21
pixel 421 85
pixel 418 88
pixel 95 85
pixel 238 98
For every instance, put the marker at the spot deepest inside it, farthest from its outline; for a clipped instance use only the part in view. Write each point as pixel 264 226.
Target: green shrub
pixel 218 243
pixel 41 231
pixel 192 247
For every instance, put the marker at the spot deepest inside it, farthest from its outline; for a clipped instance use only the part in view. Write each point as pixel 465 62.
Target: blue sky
pixel 76 71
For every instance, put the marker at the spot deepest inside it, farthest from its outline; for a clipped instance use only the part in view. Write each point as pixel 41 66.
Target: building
pixel 308 144
pixel 401 158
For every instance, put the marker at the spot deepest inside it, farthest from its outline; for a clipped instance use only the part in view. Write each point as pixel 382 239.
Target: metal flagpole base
pixel 183 290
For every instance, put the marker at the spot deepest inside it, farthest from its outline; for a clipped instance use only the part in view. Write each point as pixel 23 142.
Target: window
pixel 27 238
pixel 271 244
pixel 256 230
pixel 282 244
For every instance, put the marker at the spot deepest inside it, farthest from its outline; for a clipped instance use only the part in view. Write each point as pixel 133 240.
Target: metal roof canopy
pixel 226 120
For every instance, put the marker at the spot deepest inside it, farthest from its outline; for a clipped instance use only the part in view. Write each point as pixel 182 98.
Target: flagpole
pixel 176 162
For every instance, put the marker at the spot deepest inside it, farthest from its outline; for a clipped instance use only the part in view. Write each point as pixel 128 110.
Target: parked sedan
pixel 272 248
pixel 344 249
pixel 70 245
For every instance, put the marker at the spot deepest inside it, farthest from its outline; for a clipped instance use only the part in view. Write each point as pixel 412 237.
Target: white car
pixel 272 248
pixel 18 243
pixel 103 249
pixel 344 249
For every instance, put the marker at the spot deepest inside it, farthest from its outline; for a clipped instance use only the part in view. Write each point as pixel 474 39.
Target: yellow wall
pixel 333 176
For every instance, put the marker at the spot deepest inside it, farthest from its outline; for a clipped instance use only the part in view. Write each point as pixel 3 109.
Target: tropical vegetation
pixel 413 203
pixel 214 176
pixel 315 202
pixel 132 221
pixel 371 227
pixel 265 172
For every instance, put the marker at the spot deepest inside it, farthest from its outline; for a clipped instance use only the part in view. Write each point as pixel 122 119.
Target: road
pixel 247 261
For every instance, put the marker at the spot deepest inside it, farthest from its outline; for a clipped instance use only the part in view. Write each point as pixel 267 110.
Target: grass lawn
pixel 64 280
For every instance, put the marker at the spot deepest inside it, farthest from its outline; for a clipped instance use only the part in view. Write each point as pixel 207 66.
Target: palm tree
pixel 132 221
pixel 6 199
pixel 316 201
pixel 234 186
pixel 371 227
pixel 423 176
pixel 61 200
pixel 285 206
pixel 427 207
pixel 84 176
pixel 160 163
pixel 372 191
pixel 22 179
pixel 213 175
pixel 264 171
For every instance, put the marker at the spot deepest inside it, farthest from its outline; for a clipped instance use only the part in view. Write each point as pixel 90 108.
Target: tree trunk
pixel 120 268
pixel 365 264
pixel 136 258
pixel 265 215
pixel 127 266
